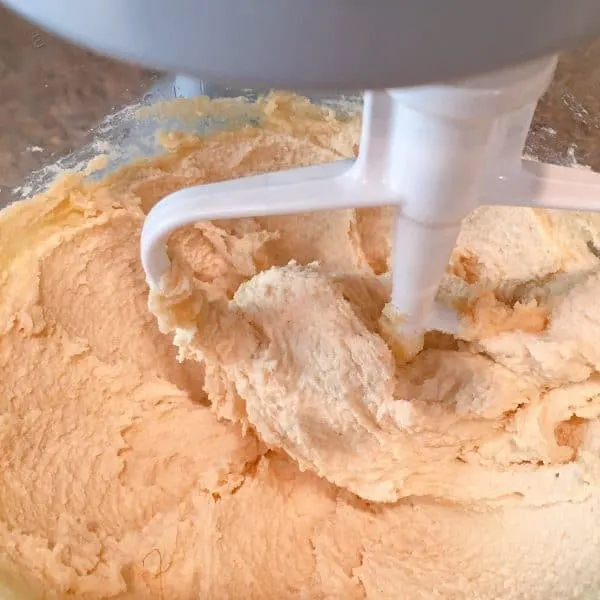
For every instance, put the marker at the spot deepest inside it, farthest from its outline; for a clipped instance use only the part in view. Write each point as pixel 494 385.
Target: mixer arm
pixel 321 187
pixel 548 186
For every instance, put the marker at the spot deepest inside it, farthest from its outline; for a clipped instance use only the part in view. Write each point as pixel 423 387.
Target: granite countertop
pixel 52 94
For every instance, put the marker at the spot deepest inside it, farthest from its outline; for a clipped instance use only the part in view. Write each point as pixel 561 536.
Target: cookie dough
pixel 266 442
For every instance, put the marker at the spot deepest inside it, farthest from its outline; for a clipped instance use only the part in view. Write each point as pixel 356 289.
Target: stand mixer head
pixel 435 152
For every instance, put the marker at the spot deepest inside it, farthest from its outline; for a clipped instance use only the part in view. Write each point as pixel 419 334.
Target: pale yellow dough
pixel 290 454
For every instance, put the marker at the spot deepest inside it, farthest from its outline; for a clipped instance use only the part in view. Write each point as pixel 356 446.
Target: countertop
pixel 52 94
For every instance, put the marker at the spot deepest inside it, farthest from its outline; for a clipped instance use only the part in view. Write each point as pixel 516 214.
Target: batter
pixel 289 452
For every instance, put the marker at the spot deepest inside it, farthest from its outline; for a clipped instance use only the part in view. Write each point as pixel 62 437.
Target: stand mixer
pixel 434 150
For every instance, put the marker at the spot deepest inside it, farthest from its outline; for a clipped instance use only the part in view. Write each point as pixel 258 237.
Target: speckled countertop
pixel 52 94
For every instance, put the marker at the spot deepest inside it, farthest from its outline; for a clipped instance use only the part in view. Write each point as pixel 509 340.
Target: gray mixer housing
pixel 311 44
